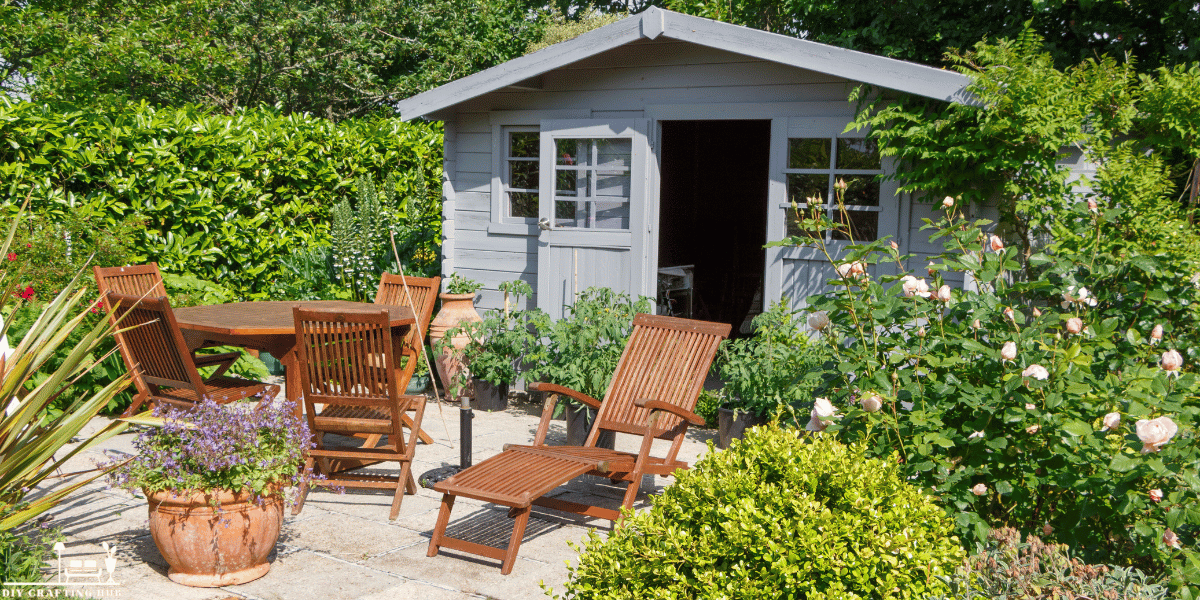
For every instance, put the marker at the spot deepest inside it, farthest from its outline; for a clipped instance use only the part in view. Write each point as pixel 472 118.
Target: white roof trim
pixel 655 22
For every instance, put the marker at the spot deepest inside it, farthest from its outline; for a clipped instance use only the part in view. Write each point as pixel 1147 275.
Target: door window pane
pixel 861 190
pixel 592 182
pixel 524 144
pixel 861 196
pixel 862 224
pixel 523 174
pixel 801 187
pixel 808 153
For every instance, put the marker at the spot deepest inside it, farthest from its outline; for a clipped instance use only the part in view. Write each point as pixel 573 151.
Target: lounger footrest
pixel 517 476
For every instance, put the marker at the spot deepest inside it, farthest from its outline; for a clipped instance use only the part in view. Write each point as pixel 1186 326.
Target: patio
pixel 343 546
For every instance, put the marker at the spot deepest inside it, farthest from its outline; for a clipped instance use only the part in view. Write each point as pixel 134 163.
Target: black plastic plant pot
pixel 489 397
pixel 579 424
pixel 732 425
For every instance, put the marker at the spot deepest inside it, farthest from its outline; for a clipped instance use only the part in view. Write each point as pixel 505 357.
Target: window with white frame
pixel 519 173
pixel 592 184
pixel 816 164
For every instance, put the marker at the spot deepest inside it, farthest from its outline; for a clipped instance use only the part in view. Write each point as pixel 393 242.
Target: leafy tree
pixel 1159 32
pixel 331 59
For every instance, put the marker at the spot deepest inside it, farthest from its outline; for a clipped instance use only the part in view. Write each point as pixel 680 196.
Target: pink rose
pixel 914 286
pixel 1156 495
pixel 948 202
pixel 1092 206
pixel 1036 371
pixel 1030 406
pixel 1155 433
pixel 995 243
pixel 1156 334
pixel 1111 421
pixel 1032 429
pixel 1008 351
pixel 822 409
pixel 943 293
pixel 1036 312
pixel 1009 314
pixel 1171 361
pixel 979 489
pixel 1074 325
pixel 1170 539
pixel 818 320
pixel 872 403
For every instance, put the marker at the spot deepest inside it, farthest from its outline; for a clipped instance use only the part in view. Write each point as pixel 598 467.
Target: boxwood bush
pixel 776 516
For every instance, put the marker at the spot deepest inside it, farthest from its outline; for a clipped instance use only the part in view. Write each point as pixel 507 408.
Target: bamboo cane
pixel 420 334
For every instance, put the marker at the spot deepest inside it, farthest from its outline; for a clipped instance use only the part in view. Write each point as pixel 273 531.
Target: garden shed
pixel 657 155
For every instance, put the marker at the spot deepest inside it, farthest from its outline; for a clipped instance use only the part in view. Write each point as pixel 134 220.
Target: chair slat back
pixel 424 291
pixel 134 280
pixel 666 359
pixel 345 357
pixel 148 333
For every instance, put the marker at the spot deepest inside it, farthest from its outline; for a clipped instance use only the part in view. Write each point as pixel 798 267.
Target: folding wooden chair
pixel 339 368
pixel 652 394
pixel 144 281
pixel 424 293
pixel 154 351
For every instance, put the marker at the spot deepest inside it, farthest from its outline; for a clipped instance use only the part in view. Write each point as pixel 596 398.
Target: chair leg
pixel 435 541
pixel 424 437
pixel 514 543
pixel 303 493
pixel 402 484
pixel 411 486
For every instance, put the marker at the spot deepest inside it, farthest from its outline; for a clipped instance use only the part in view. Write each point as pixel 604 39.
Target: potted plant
pixel 420 378
pixel 458 307
pixel 216 478
pixel 497 345
pixel 764 374
pixel 581 351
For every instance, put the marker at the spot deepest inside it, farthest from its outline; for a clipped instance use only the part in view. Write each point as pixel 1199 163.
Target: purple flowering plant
pixel 212 446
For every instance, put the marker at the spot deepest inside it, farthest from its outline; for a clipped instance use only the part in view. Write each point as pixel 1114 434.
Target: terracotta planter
pixel 732 425
pixel 456 309
pixel 207 548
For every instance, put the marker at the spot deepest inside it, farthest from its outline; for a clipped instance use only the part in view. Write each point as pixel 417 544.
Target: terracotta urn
pixel 210 547
pixel 456 309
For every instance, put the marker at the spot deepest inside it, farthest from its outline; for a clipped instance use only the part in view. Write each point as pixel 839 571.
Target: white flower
pixel 1170 539
pixel 1156 495
pixel 1156 334
pixel 1036 312
pixel 1030 406
pixel 1032 429
pixel 914 286
pixel 995 243
pixel 1155 433
pixel 976 435
pixel 1092 206
pixel 1036 371
pixel 979 489
pixel 1111 421
pixel 822 409
pixel 852 270
pixel 872 403
pixel 1008 351
pixel 1008 312
pixel 818 320
pixel 1074 325
pixel 975 324
pixel 948 202
pixel 943 293
pixel 1171 361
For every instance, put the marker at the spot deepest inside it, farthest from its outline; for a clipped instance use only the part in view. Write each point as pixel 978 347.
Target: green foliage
pixel 776 516
pixel 706 407
pixel 772 370
pixel 497 345
pixel 1004 150
pixel 560 29
pixel 34 434
pixel 23 552
pixel 457 284
pixel 581 349
pixel 330 59
pixel 221 197
pixel 1162 32
pixel 995 396
pixel 1007 568
pixel 307 274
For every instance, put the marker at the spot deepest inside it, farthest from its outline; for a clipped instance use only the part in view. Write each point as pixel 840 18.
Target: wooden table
pixel 269 327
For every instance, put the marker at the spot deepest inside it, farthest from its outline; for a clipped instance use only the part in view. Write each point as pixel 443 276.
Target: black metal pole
pixel 465 414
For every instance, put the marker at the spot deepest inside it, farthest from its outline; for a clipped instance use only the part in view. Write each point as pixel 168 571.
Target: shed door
pixel 593 220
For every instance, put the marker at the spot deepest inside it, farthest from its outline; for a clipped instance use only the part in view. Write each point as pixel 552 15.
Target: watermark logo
pixel 92 573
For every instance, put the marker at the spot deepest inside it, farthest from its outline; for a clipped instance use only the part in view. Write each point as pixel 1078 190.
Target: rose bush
pixel 1018 411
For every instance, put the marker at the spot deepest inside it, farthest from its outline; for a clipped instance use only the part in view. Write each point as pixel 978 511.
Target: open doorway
pixel 713 219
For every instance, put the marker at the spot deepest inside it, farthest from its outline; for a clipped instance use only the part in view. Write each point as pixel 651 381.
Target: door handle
pixel 544 224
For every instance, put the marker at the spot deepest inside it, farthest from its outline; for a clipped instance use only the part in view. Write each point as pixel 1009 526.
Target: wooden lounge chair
pixel 154 351
pixel 338 354
pixel 146 280
pixel 652 394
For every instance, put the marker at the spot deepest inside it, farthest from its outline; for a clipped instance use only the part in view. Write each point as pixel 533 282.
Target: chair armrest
pixel 550 388
pixel 684 414
pixel 210 359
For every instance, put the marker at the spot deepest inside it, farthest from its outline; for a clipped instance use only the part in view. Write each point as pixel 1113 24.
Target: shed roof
pixel 890 73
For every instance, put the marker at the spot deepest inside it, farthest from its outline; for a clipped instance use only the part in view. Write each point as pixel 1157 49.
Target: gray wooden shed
pixel 662 152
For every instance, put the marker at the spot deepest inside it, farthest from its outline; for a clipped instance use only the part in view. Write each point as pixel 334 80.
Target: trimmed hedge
pixel 222 197
pixel 777 516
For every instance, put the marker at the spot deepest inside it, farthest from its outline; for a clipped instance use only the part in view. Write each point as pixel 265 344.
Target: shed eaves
pixel 912 78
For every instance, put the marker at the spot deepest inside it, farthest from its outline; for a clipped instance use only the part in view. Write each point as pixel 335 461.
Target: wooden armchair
pixel 653 392
pixel 154 351
pixel 338 360
pixel 144 281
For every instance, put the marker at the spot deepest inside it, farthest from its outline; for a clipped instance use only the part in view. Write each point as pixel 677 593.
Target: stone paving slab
pixel 344 546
